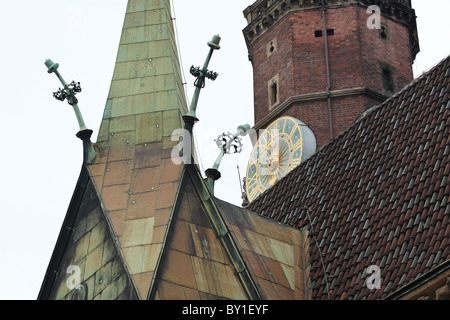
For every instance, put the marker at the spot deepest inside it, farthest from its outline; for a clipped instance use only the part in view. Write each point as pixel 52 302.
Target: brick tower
pixel 325 62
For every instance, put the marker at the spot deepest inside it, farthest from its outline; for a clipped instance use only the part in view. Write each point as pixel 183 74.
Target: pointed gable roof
pixel 133 172
pixel 215 250
pixel 173 239
pixel 86 263
pixel 376 195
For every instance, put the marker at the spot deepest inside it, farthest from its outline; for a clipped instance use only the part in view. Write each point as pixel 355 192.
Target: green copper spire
pixel 134 173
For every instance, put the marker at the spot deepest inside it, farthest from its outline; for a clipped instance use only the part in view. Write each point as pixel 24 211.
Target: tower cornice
pixel 263 14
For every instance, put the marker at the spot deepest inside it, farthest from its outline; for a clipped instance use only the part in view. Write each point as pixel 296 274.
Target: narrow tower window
pixel 274 92
pixel 384 32
pixel 388 80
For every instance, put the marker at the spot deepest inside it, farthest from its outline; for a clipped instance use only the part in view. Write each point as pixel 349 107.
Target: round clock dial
pixel 280 148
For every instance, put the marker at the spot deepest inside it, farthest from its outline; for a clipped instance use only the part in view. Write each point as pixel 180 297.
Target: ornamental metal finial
pixel 67 92
pixel 202 73
pixel 230 143
pixel 227 143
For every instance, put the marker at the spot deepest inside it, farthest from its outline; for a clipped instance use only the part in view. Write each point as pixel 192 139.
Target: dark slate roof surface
pixel 376 195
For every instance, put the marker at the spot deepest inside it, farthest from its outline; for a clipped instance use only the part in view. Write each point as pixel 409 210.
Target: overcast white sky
pixel 41 157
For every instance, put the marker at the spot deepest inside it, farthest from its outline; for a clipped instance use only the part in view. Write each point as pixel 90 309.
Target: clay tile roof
pixel 376 195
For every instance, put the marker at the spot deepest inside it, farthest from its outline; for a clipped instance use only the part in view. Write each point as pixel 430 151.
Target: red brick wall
pixel 345 47
pixel 394 51
pixel 265 68
pixel 357 57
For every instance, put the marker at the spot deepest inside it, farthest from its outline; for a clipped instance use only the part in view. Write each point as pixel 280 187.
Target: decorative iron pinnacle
pixel 202 73
pixel 227 143
pixel 67 92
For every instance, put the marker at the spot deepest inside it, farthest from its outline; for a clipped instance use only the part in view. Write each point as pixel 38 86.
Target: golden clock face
pixel 278 150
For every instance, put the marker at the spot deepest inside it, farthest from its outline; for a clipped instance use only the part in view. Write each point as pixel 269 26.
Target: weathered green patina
pixel 203 73
pixel 68 92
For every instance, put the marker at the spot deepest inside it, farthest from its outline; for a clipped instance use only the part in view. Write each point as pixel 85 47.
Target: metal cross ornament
pixel 67 92
pixel 202 74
